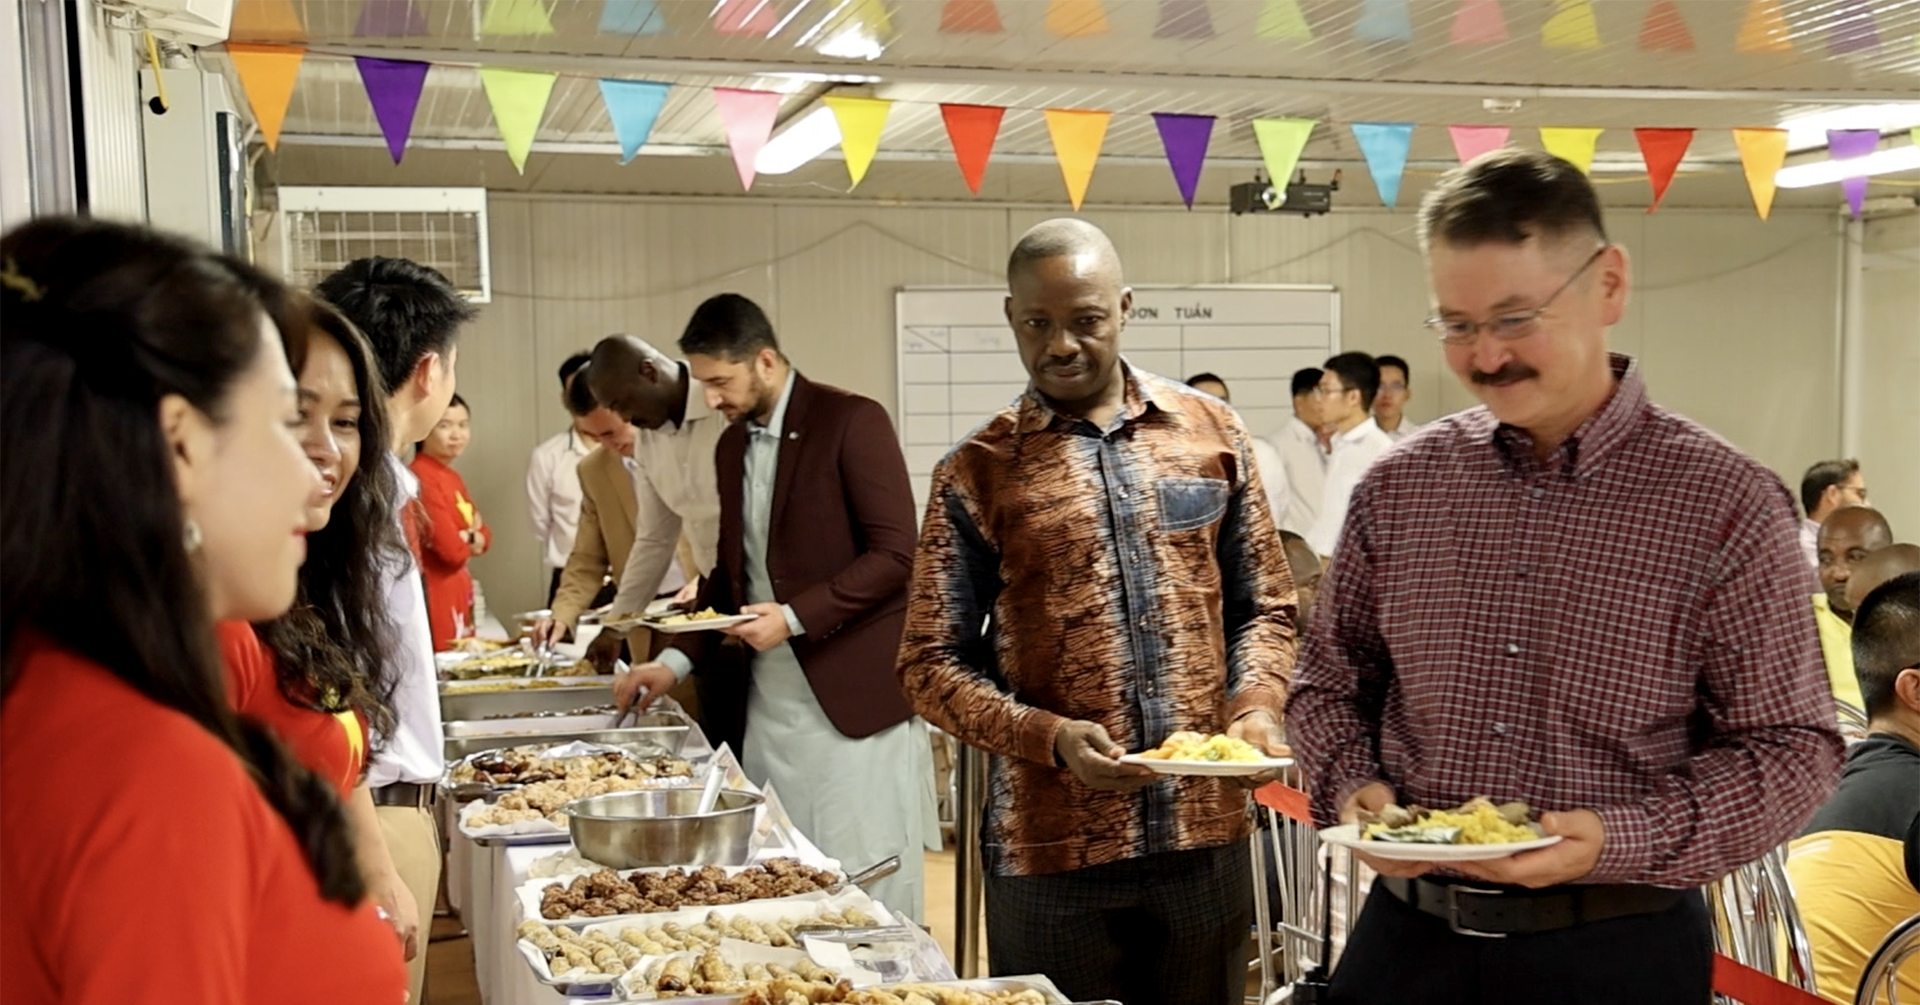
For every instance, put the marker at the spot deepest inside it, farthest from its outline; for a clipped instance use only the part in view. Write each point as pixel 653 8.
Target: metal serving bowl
pixel 634 830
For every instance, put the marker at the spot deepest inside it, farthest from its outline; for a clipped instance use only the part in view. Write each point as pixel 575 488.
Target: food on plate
pixel 1187 746
pixel 524 766
pixel 502 664
pixel 1476 821
pixel 476 645
pixel 661 940
pixel 682 619
pixel 606 892
pixel 542 800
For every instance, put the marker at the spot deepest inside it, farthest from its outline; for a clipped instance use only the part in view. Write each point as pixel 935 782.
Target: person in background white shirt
pixel 1301 455
pixel 411 316
pixel 1266 458
pixel 1390 405
pixel 1827 486
pixel 1347 388
pixel 553 486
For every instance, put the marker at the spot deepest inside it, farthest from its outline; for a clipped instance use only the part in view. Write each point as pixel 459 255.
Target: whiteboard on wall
pixel 958 366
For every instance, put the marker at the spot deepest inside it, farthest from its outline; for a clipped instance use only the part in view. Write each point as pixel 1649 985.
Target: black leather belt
pixel 404 794
pixel 1496 912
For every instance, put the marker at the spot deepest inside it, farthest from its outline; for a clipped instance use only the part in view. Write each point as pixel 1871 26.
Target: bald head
pixel 638 382
pixel 1065 238
pixel 1847 536
pixel 1879 566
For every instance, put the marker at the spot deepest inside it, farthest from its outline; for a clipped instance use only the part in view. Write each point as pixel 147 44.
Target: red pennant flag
pixel 1665 30
pixel 1662 149
pixel 970 17
pixel 972 129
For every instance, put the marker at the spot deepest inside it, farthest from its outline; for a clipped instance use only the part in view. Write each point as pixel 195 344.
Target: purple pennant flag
pixel 1185 138
pixel 1846 145
pixel 393 86
pixel 389 19
pixel 1184 19
pixel 1853 30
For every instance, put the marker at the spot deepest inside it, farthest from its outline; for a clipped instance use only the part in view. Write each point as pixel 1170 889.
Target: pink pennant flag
pixel 1472 141
pixel 748 118
pixel 1479 22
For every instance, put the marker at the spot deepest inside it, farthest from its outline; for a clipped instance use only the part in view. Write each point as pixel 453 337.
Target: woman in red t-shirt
pixel 321 675
pixel 448 527
pixel 159 849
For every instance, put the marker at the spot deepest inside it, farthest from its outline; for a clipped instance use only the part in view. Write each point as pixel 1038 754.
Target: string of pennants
pixel 519 101
pixel 1849 25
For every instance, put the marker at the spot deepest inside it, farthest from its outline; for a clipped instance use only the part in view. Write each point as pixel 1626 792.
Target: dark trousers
pixel 1400 956
pixel 1167 929
pixel 601 599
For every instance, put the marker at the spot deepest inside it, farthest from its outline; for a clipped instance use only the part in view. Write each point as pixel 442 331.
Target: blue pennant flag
pixel 633 105
pixel 1385 144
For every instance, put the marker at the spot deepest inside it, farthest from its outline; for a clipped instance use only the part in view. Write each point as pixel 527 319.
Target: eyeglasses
pixel 1507 327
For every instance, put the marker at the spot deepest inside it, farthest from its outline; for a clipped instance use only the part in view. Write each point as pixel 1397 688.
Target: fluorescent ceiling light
pixel 1809 131
pixel 815 134
pixel 1887 161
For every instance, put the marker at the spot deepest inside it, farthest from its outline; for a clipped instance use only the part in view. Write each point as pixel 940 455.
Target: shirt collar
pixel 1359 432
pixel 696 401
pixel 577 443
pixel 777 423
pixel 1036 414
pixel 1600 435
pixel 408 481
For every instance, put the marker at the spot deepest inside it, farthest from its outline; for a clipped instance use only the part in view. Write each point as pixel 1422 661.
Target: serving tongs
pixel 886 867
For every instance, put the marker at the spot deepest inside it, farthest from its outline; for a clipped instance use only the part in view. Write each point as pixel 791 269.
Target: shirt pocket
pixel 1187 503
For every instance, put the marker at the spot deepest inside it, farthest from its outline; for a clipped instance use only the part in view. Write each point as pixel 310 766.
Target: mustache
pixel 1507 374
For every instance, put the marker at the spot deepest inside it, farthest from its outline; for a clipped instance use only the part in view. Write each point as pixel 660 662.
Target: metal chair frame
pixel 1883 967
pixel 1756 921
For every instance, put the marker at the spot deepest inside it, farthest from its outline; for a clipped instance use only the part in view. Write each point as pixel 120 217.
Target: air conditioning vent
pixel 322 229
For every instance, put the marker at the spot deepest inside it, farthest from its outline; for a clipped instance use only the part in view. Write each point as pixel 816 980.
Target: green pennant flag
pixel 519 101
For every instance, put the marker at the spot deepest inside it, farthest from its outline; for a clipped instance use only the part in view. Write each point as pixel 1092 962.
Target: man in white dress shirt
pixel 1266 457
pixel 1827 486
pixel 1302 456
pixel 553 486
pixel 1390 405
pixel 1347 388
pixel 411 316
pixel 674 486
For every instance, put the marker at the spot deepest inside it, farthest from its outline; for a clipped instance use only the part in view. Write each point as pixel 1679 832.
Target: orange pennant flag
pixel 972 129
pixel 1077 137
pixel 1762 152
pixel 1662 149
pixel 267 73
pixel 1763 28
pixel 1076 18
pixel 1664 30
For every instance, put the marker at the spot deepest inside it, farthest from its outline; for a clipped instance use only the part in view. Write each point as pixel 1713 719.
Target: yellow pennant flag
pixel 1281 141
pixel 1573 145
pixel 516 17
pixel 860 121
pixel 1762 151
pixel 1282 20
pixel 519 101
pixel 872 15
pixel 1077 137
pixel 1076 18
pixel 1571 26
pixel 1763 28
pixel 267 73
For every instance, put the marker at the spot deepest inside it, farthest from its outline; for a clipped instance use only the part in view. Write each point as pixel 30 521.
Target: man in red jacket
pixel 816 540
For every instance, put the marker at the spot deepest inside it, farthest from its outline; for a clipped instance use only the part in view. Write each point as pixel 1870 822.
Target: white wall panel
pixel 1890 390
pixel 110 105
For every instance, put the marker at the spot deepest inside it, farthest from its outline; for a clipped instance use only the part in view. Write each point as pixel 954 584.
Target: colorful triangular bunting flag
pixel 1762 152
pixel 1573 145
pixel 633 105
pixel 1479 22
pixel 1472 141
pixel 1664 30
pixel 1281 141
pixel 970 17
pixel 1384 21
pixel 1662 149
pixel 516 17
pixel 519 101
pixel 267 73
pixel 1185 139
pixel 1076 18
pixel 1852 144
pixel 632 17
pixel 746 17
pixel 393 88
pixel 389 19
pixel 1282 21
pixel 972 129
pixel 267 21
pixel 1853 30
pixel 1763 28
pixel 1077 136
pixel 860 121
pixel 1384 144
pixel 1184 19
pixel 1571 26
pixel 747 116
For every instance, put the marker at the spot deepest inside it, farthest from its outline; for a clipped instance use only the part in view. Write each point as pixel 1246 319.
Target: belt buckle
pixel 1453 912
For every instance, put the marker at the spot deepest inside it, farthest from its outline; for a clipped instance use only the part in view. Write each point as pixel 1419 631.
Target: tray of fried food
pixel 547 762
pixel 608 894
pixel 531 814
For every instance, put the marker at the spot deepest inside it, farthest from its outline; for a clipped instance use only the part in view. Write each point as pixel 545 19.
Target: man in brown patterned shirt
pixel 1109 531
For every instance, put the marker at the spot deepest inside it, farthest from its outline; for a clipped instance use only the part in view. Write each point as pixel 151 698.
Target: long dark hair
pixel 334 649
pixel 101 322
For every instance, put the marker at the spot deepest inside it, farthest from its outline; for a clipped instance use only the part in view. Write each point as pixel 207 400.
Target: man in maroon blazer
pixel 816 539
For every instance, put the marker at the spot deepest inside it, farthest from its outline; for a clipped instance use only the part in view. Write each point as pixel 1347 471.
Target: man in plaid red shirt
pixel 1567 596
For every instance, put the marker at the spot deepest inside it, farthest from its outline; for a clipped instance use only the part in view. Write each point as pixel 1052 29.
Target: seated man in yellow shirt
pixel 1848 867
pixel 1845 538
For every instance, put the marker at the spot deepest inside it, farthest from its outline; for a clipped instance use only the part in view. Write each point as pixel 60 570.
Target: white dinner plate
pixel 702 625
pixel 1208 767
pixel 1348 836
